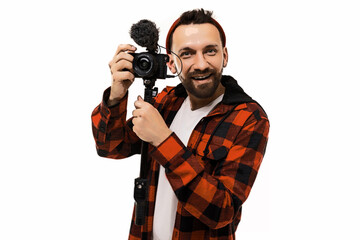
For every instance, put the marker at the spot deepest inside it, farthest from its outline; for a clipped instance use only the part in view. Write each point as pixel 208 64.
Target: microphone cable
pixel 181 68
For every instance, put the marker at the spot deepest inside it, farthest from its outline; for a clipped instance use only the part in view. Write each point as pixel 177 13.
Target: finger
pixel 137 104
pixel 124 47
pixel 122 66
pixel 140 103
pixel 134 122
pixel 123 56
pixel 136 113
pixel 123 76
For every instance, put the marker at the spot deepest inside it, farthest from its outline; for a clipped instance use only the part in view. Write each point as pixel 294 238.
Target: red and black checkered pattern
pixel 212 176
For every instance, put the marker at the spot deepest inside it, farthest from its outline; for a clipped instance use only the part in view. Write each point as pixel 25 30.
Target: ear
pixel 171 64
pixel 226 57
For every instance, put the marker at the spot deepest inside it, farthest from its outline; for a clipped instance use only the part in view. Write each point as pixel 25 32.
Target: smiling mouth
pixel 203 77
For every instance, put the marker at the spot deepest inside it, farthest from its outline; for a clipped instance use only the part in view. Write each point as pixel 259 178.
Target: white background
pixel 299 59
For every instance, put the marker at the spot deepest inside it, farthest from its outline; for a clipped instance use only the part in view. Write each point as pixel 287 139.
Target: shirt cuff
pixel 176 158
pixel 114 111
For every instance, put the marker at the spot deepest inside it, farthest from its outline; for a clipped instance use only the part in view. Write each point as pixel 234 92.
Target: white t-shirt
pixel 166 201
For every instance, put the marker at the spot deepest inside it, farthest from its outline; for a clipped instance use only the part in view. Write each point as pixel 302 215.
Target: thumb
pixel 139 102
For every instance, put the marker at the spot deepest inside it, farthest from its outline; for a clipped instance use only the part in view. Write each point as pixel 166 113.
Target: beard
pixel 202 90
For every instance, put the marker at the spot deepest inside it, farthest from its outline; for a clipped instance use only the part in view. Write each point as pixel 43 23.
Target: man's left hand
pixel 149 125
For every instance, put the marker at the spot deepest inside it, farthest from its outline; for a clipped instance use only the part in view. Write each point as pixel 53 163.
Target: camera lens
pixel 144 63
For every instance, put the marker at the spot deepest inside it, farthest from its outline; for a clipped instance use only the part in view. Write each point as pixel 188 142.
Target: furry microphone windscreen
pixel 145 34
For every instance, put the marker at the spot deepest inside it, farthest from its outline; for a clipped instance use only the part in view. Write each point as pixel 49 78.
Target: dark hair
pixel 196 16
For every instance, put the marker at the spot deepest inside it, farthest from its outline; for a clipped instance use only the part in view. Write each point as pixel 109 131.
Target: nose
pixel 200 62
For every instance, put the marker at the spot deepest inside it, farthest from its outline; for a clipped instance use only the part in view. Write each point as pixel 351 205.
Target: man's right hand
pixel 121 73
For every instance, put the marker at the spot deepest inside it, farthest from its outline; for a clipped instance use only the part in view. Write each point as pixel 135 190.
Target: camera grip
pixel 140 196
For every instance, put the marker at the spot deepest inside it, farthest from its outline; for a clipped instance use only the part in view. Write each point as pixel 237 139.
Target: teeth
pixel 201 77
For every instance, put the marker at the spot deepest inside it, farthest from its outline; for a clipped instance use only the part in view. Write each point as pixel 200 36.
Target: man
pixel 207 136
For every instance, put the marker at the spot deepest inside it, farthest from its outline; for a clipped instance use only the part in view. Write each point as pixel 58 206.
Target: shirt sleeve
pixel 215 198
pixel 113 135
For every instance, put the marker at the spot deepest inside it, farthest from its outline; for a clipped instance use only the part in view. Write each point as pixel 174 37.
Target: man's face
pixel 200 49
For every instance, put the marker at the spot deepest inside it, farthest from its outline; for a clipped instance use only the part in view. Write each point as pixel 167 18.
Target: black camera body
pixel 149 65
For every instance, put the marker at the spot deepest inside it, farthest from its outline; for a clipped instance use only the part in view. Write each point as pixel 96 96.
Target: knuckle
pixel 129 75
pixel 125 64
pixel 129 56
pixel 122 65
pixel 147 106
pixel 122 55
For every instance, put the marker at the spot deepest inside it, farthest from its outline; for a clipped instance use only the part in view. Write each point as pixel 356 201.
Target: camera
pixel 150 65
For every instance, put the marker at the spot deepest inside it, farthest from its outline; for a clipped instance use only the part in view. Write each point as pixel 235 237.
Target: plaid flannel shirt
pixel 212 176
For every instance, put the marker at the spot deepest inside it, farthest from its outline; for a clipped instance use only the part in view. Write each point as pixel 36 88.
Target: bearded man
pixel 207 136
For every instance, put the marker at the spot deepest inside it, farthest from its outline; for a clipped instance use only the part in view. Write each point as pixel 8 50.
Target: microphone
pixel 145 34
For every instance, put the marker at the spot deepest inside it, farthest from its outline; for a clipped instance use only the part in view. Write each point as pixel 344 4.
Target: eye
pixel 185 54
pixel 211 51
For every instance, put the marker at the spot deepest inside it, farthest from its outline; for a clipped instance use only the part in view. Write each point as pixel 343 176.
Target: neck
pixel 197 103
